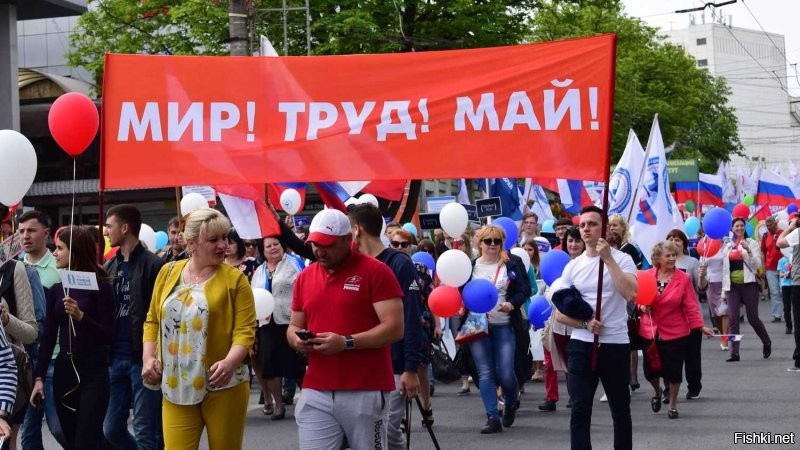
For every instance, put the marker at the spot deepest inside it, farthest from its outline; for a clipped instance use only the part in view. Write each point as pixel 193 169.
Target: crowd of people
pixel 171 341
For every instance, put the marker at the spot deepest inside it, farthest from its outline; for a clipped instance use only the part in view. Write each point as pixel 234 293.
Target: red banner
pixel 542 110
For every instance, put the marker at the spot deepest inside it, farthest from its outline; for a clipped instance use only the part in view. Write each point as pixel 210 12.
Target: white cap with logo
pixel 327 225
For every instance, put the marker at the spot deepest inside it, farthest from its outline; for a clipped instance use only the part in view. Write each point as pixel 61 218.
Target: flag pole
pixel 607 166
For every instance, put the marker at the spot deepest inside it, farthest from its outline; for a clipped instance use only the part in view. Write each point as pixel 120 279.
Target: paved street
pixel 753 395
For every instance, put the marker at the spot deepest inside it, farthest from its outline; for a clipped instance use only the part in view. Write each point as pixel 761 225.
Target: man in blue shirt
pixel 134 270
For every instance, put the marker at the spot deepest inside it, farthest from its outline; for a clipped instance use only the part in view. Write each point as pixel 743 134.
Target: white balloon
pixel 783 224
pixel 351 201
pixel 148 237
pixel 290 201
pixel 453 218
pixel 519 251
pixel 368 198
pixel 192 202
pixel 454 268
pixel 19 166
pixel 264 303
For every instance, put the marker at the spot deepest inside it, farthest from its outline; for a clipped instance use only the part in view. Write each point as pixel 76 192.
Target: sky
pixel 775 16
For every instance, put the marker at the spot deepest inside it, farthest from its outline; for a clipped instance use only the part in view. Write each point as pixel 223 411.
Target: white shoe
pixel 723 347
pixel 793 369
pixel 604 398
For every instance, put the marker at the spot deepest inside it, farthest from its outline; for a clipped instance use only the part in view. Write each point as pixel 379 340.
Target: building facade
pixel 754 65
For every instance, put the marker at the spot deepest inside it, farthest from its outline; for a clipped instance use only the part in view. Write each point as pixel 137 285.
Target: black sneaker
pixel 548 406
pixel 692 395
pixel 492 426
pixel 509 415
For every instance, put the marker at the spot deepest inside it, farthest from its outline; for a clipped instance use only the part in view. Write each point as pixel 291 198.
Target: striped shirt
pixel 8 374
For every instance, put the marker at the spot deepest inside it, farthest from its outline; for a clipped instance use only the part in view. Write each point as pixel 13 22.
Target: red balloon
pixel 73 122
pixel 741 210
pixel 646 293
pixel 708 247
pixel 576 220
pixel 444 301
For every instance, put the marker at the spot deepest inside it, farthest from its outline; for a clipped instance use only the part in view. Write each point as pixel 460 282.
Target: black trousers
pixel 693 366
pixel 81 403
pixel 796 318
pixel 786 294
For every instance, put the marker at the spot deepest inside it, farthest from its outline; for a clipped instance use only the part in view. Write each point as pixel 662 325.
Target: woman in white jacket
pixel 741 261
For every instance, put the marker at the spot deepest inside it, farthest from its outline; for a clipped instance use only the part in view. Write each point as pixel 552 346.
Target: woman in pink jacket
pixel 670 318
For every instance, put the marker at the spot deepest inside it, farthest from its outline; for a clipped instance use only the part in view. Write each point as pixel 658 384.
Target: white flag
pixel 541 205
pixel 463 192
pixel 266 47
pixel 657 212
pixel 626 179
pixel 728 189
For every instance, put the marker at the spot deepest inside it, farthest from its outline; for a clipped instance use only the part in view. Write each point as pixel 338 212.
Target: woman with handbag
pixel 494 353
pixel 674 313
pixel 83 322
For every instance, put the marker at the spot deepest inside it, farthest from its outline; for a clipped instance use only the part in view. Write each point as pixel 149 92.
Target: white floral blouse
pixel 184 332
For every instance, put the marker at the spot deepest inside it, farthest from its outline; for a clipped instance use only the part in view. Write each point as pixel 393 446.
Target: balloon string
pixel 69 247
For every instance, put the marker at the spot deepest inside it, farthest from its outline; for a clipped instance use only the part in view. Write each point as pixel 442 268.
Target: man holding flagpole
pixel 619 286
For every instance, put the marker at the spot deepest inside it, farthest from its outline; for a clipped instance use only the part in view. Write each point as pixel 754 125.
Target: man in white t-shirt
pixel 619 286
pixel 789 238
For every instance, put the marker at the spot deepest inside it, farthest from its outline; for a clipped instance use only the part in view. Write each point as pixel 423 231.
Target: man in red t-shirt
pixel 772 254
pixel 352 304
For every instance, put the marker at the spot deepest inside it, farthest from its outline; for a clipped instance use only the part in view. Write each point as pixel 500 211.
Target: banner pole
pixel 607 166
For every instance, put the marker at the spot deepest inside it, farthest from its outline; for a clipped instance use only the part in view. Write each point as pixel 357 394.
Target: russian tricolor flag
pixel 709 187
pixel 775 190
pixel 248 211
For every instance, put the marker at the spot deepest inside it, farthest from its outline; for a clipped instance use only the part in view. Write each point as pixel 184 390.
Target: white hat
pixel 327 225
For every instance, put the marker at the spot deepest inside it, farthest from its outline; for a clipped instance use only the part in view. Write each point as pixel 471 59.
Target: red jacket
pixel 675 311
pixel 772 254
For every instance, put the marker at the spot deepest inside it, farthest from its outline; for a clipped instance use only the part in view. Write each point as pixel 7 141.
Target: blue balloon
pixel 161 240
pixel 410 228
pixel 479 295
pixel 547 226
pixel 552 265
pixel 512 232
pixel 791 209
pixel 426 259
pixel 691 226
pixel 717 223
pixel 748 228
pixel 539 311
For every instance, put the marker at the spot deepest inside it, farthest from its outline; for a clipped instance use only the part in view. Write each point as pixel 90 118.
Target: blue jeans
pixel 125 384
pixel 613 369
pixel 494 360
pixel 775 298
pixel 32 427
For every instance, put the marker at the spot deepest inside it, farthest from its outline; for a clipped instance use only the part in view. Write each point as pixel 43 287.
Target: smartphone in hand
pixel 304 334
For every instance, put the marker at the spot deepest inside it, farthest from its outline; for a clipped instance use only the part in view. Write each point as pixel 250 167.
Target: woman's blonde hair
pixel 617 219
pixel 205 222
pixel 492 231
pixel 661 248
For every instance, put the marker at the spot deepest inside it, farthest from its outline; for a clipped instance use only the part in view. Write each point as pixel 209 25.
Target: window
pixel 701 41
pixel 702 63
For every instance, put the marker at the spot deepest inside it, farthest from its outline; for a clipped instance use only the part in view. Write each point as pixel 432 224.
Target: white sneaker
pixel 793 369
pixel 604 398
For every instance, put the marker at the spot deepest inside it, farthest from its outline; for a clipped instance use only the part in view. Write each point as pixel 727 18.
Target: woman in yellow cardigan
pixel 200 327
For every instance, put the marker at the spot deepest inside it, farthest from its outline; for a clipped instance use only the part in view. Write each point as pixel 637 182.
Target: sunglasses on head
pixel 398 244
pixel 492 241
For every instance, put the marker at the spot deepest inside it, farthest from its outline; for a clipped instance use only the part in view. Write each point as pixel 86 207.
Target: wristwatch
pixel 585 325
pixel 349 342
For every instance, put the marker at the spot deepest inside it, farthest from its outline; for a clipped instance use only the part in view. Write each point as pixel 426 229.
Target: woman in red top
pixel 670 318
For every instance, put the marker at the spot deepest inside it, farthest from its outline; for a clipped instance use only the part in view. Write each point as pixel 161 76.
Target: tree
pixel 168 27
pixel 653 76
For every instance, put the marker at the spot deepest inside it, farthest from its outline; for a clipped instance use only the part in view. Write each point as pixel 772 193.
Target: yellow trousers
pixel 222 412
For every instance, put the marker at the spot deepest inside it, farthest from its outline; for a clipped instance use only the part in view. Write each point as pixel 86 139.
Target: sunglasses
pixel 492 241
pixel 398 244
pixel 250 244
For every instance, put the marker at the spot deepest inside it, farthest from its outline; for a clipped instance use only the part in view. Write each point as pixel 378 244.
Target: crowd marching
pixel 170 342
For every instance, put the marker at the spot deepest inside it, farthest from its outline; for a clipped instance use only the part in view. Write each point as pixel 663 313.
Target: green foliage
pixel 175 27
pixel 653 77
